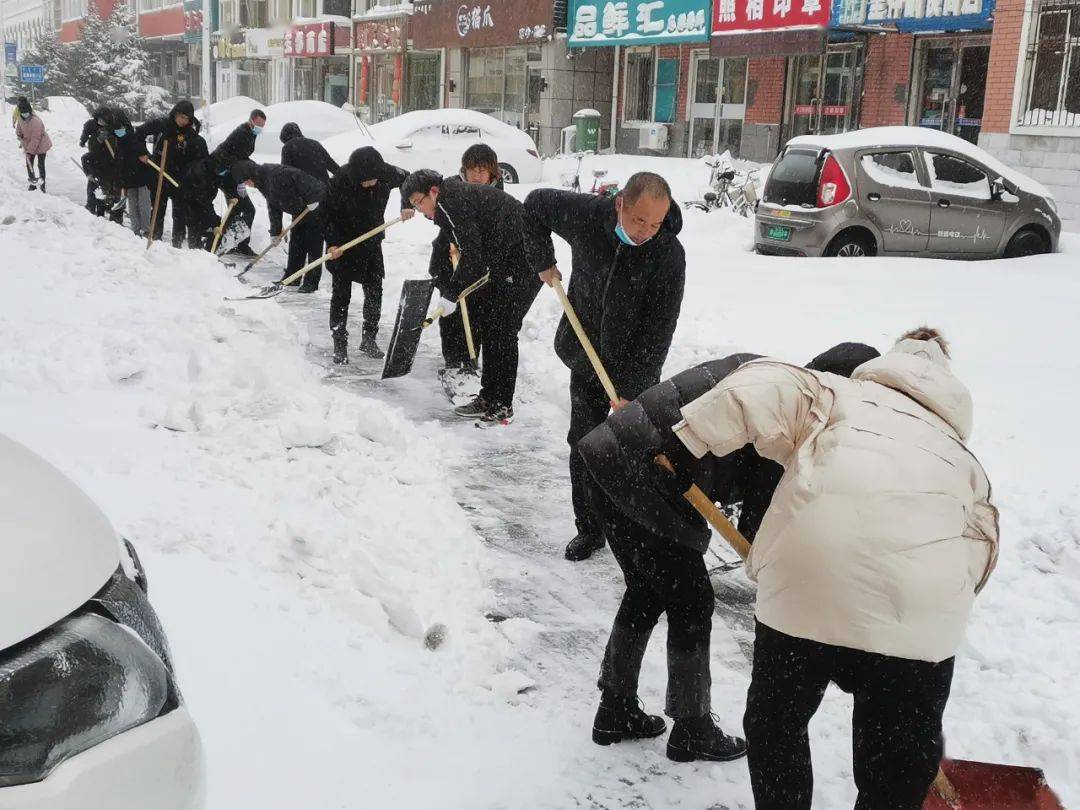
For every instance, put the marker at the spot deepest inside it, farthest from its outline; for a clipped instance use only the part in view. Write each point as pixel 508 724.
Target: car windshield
pixel 793 180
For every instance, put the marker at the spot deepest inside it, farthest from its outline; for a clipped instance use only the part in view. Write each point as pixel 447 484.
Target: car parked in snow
pixel 90 713
pixel 436 139
pixel 901 191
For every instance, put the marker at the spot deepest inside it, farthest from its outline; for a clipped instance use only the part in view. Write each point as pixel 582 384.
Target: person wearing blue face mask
pixel 240 145
pixel 35 142
pixel 627 287
pixel 128 155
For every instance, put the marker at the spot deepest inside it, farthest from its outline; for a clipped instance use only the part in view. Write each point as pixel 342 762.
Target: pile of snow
pixel 924 137
pixel 66 112
pixel 229 108
pixel 316 119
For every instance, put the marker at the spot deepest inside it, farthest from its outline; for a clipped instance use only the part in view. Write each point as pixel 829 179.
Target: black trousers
pixel 30 166
pixel 589 406
pixel 896 722
pixel 199 215
pixel 305 246
pixel 245 211
pixel 661 577
pixel 452 336
pixel 366 269
pixel 170 196
pixel 496 314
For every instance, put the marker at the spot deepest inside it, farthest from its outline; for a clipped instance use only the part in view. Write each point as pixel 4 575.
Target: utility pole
pixel 207 86
pixel 3 73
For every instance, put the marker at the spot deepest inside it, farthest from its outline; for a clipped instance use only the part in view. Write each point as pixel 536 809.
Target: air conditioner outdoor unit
pixel 653 137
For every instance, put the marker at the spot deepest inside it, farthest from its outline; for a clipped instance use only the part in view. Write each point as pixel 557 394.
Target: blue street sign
pixel 10 53
pixel 32 74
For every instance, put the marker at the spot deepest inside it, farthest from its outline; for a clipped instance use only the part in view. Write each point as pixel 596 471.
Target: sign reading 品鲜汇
pixel 916 15
pixel 637 22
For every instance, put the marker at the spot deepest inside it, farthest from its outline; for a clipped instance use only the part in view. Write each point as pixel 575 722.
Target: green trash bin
pixel 588 130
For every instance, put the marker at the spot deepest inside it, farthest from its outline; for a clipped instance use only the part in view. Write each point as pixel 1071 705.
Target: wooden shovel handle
pixel 221 226
pixel 160 170
pixel 326 256
pixel 586 344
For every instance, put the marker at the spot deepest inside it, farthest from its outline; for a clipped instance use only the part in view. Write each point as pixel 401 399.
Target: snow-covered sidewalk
pixel 302 533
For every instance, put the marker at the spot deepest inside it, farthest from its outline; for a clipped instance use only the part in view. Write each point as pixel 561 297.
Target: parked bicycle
pixel 730 189
pixel 599 185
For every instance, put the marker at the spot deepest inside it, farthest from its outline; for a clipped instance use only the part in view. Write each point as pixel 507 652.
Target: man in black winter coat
pixel 240 145
pixel 356 202
pixel 627 287
pixel 198 188
pixel 177 130
pixel 129 157
pixel 485 226
pixel 291 191
pixel 101 170
pixel 306 154
pixel 659 541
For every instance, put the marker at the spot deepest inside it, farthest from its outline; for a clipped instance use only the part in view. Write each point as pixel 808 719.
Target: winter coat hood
pixel 182 107
pixel 244 170
pixel 367 164
pixel 920 369
pixel 289 131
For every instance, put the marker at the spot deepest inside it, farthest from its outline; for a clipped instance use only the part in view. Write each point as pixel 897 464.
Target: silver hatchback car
pixel 904 191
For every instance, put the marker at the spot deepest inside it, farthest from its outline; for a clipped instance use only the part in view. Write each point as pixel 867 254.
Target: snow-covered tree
pixel 59 62
pixel 113 65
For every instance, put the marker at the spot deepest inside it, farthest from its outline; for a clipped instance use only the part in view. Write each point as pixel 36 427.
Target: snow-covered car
pixel 316 119
pixel 90 713
pixel 901 191
pixel 436 139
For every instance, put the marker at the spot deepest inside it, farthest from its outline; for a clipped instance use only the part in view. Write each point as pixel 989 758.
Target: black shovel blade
pixel 412 310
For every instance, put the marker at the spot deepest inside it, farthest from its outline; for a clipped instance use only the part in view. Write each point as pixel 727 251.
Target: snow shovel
pixel 410 322
pixel 984 786
pixel 277 240
pixel 161 172
pixel 277 288
pixel 695 496
pixel 157 198
pixel 220 229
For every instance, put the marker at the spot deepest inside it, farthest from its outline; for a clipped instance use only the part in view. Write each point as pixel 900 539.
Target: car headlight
pixel 84 680
pixel 1052 203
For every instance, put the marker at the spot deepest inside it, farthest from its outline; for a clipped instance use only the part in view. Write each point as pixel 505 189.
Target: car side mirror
pixel 997 188
pixel 405 144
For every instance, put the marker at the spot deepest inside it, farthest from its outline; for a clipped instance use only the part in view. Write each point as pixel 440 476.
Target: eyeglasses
pixel 416 204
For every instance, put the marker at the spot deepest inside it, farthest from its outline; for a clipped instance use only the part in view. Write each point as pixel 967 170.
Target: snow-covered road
pixel 301 531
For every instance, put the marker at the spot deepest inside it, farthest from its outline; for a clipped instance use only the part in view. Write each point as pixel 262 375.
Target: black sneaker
pixel 583 546
pixel 622 718
pixel 243 250
pixel 472 410
pixel 369 347
pixel 700 738
pixel 499 416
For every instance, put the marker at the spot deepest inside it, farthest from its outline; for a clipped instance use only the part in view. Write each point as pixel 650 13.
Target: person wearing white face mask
pixel 627 287
pixel 34 140
pixel 240 145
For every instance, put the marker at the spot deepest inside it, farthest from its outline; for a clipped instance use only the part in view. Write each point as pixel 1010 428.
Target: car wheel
pixel 850 245
pixel 1025 243
pixel 508 173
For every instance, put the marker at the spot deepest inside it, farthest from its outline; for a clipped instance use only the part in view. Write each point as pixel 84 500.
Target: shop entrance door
pixel 382 90
pixel 823 91
pixel 718 105
pixel 953 86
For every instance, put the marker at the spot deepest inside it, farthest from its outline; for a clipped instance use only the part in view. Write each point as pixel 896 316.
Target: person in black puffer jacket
pixel 240 145
pixel 659 541
pixel 177 130
pixel 627 287
pixel 356 202
pixel 198 188
pixel 289 190
pixel 306 154
pixel 100 168
pixel 132 173
pixel 485 226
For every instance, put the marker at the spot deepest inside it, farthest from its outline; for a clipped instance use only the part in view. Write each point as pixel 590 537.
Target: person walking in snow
pixel 240 145
pixel 177 130
pixel 659 542
pixel 480 165
pixel 484 225
pixel 880 534
pixel 627 287
pixel 306 154
pixel 35 142
pixel 291 191
pixel 356 200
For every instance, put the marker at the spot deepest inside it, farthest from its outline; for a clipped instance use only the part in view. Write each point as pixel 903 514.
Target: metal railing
pixel 1050 94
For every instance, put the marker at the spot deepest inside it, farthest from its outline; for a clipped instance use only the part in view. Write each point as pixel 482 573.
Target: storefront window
pixel 498 79
pixel 383 105
pixel 639 86
pixel 251 79
pixel 341 8
pixel 335 81
pixel 423 82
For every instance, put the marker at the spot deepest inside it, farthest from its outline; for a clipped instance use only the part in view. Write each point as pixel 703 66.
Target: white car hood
pixel 57 548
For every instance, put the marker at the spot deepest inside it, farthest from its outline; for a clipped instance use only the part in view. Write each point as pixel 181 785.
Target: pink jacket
pixel 32 135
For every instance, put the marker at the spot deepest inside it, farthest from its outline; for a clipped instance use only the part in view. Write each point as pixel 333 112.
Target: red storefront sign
pixel 313 40
pixel 380 35
pixel 742 16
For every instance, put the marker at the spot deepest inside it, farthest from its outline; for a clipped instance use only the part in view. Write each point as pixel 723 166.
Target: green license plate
pixel 781 233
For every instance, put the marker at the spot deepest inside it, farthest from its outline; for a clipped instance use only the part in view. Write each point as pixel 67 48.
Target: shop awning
pixel 763 44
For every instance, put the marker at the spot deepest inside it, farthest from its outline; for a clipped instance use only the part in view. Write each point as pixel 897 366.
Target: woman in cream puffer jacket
pixel 868 560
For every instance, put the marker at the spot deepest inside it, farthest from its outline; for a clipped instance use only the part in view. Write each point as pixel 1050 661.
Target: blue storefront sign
pixel 595 23
pixel 915 16
pixel 32 74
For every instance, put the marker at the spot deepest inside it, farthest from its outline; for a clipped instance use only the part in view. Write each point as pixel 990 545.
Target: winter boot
pixel 472 410
pixel 368 346
pixel 243 249
pixel 496 416
pixel 341 348
pixel 583 545
pixel 42 186
pixel 700 738
pixel 622 718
